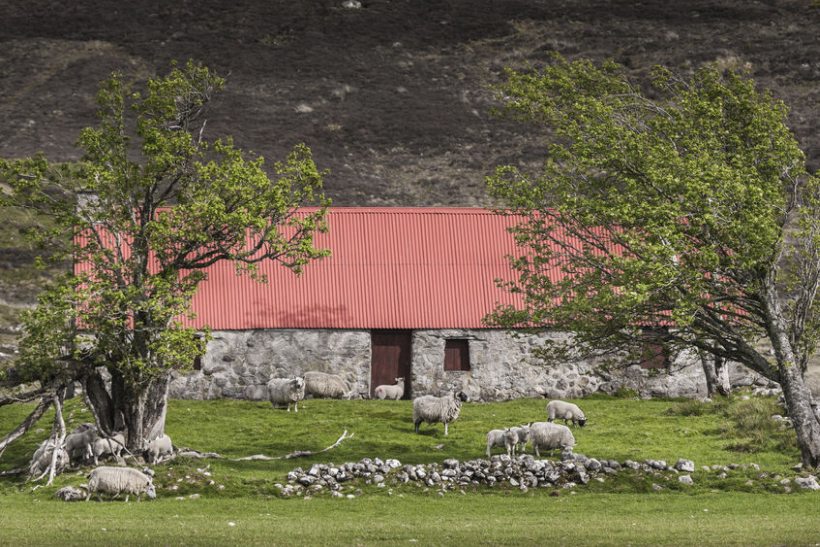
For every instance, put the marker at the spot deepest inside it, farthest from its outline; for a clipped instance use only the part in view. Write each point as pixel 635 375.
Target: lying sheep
pixel 42 459
pixel 550 436
pixel 431 409
pixel 111 446
pixel 394 392
pixel 570 413
pixel 327 386
pixel 118 480
pixel 286 391
pixel 502 437
pixel 79 444
pixel 159 447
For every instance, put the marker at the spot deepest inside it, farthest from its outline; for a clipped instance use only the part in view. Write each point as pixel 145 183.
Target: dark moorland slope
pixel 392 97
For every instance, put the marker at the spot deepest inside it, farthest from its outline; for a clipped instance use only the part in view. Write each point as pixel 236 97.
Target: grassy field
pixel 244 505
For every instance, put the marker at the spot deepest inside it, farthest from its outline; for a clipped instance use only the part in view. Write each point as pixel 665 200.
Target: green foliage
pixel 751 426
pixel 152 203
pixel 669 211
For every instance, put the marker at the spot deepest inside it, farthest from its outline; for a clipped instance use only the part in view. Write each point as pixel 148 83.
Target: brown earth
pixel 393 97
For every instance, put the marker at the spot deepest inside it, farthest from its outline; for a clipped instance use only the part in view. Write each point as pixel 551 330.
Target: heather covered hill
pixel 392 97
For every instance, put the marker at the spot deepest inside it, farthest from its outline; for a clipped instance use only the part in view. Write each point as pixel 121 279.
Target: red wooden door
pixel 390 359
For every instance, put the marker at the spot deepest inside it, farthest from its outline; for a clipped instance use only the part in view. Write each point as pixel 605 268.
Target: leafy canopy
pixel 152 203
pixel 677 212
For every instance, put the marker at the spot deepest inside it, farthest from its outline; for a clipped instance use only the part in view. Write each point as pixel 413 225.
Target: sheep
pixel 550 436
pixel 159 447
pixel 322 384
pixel 570 413
pixel 431 409
pixel 286 391
pixel 108 446
pixel 79 443
pixel 42 457
pixel 118 480
pixel 502 437
pixel 394 392
pixel 522 433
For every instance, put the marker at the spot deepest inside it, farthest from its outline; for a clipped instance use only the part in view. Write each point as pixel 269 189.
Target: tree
pixel 156 204
pixel 682 216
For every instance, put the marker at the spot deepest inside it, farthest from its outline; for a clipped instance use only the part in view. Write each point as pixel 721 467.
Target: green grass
pixel 741 508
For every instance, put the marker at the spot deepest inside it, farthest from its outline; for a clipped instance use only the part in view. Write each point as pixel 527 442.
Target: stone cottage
pixel 404 294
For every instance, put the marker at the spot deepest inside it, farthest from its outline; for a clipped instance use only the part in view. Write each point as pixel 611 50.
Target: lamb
pixel 522 436
pixel 394 392
pixel 561 410
pixel 108 446
pixel 159 447
pixel 79 443
pixel 286 391
pixel 550 436
pixel 502 437
pixel 118 480
pixel 329 386
pixel 431 409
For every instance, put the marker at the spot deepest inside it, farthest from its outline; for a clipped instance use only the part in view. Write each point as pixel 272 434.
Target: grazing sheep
pixel 502 437
pixel 570 413
pixel 111 446
pixel 550 436
pixel 159 447
pixel 522 436
pixel 286 391
pixel 394 392
pixel 79 444
pixel 118 480
pixel 431 409
pixel 324 385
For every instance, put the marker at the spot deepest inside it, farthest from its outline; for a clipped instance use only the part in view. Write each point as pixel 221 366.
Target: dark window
pixel 456 355
pixel 198 362
pixel 654 354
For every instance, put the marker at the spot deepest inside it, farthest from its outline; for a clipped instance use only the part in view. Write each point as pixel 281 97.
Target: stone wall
pixel 238 364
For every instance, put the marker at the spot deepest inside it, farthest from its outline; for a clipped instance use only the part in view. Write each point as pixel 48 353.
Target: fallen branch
pixel 32 419
pixel 190 453
pixel 297 453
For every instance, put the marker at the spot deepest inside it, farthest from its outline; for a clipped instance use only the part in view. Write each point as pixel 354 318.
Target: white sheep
pixel 42 459
pixel 159 447
pixel 286 391
pixel 522 433
pixel 108 446
pixel 79 444
pixel 502 437
pixel 431 409
pixel 118 480
pixel 325 385
pixel 394 392
pixel 550 436
pixel 562 410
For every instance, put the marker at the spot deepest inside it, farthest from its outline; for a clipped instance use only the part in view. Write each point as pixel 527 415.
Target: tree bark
pixel 716 371
pixel 805 421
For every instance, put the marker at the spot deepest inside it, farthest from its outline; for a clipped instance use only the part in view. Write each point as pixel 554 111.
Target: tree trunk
pixel 806 423
pixel 716 371
pixel 139 413
pixel 32 419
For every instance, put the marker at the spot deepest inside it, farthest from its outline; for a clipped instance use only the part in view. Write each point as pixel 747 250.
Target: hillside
pixel 392 97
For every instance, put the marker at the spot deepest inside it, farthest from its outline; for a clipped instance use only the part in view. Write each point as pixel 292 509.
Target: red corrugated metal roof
pixel 391 268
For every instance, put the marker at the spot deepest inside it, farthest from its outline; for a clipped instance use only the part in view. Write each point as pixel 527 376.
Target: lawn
pixel 221 501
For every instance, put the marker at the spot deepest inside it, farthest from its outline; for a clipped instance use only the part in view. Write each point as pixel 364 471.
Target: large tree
pixel 679 211
pixel 152 204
